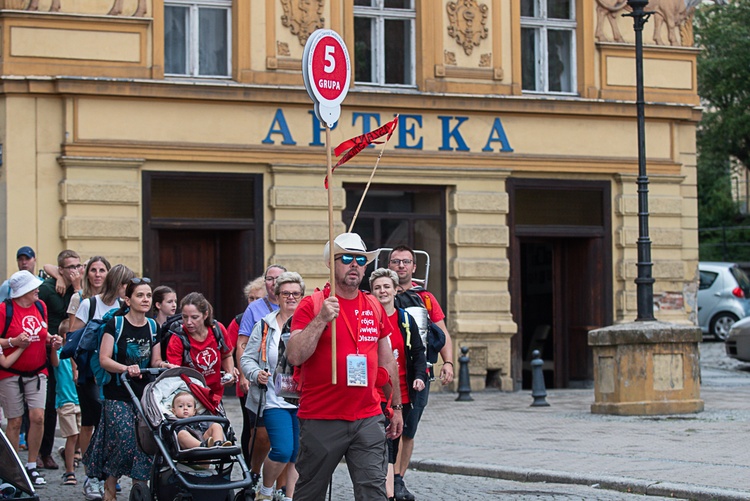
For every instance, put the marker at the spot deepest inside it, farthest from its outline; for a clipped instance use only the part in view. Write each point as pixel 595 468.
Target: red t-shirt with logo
pixel 319 399
pixel 205 355
pixel 396 340
pixel 30 321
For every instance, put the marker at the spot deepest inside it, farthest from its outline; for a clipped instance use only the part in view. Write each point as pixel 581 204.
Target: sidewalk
pixel 695 456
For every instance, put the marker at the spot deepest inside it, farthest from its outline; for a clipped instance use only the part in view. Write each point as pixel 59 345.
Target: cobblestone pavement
pixel 482 449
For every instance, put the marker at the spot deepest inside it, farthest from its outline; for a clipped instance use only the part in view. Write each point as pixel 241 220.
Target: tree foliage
pixel 723 34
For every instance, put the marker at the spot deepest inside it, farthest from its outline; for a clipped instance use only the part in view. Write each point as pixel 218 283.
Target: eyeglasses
pixel 398 262
pixel 137 281
pixel 348 258
pixel 73 267
pixel 288 294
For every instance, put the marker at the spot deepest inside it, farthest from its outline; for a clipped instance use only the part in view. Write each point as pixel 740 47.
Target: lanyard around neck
pixel 359 322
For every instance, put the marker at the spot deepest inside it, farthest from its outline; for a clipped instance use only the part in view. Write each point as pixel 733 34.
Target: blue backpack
pixel 83 346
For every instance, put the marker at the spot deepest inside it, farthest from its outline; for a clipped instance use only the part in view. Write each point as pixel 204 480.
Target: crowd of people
pixel 308 398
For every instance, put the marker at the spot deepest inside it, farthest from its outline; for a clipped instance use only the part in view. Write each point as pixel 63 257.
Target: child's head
pixel 62 330
pixel 183 405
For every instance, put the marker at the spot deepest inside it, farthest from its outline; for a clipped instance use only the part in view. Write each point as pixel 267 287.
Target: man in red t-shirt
pixel 345 419
pixel 403 261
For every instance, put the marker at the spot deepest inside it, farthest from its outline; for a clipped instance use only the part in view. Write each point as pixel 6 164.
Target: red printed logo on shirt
pixel 31 325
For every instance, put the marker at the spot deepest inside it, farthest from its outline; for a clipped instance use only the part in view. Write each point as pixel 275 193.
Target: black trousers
pixel 50 415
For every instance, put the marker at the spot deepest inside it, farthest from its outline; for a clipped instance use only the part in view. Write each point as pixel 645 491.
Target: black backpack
pixel 173 327
pixel 435 341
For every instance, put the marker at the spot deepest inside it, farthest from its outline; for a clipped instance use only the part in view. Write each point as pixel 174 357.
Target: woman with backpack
pixel 199 341
pixel 88 392
pixel 409 352
pixel 129 344
pixel 97 268
pixel 260 365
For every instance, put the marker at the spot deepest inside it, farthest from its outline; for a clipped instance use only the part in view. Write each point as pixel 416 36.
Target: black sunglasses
pixel 138 281
pixel 348 258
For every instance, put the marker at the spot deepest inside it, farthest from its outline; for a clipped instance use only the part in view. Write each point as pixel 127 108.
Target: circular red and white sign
pixel 327 73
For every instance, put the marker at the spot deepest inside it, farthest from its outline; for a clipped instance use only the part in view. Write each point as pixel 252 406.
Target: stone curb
pixel 622 484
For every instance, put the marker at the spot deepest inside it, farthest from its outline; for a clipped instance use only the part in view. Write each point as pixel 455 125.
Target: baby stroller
pixel 14 482
pixel 200 473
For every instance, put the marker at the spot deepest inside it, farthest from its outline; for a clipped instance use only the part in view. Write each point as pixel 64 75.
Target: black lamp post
pixel 645 280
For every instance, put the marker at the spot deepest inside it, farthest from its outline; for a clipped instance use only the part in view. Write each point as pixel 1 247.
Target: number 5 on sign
pixel 327 74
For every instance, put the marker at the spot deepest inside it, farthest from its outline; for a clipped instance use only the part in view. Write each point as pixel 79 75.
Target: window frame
pixel 542 24
pixel 379 13
pixel 192 46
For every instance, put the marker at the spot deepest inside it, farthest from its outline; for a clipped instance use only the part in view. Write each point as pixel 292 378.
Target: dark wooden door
pixel 203 261
pixel 186 261
pixel 582 308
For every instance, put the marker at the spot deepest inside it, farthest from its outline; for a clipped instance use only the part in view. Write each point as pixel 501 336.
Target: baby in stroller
pixel 200 434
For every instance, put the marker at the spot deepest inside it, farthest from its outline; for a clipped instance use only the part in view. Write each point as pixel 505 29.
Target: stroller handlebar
pixel 150 370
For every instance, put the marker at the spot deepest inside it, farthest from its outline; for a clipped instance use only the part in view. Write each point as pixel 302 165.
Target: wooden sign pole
pixel 331 255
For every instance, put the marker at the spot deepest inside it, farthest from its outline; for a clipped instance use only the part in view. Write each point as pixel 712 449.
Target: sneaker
pixel 260 496
pixel 280 494
pixel 91 489
pixel 401 493
pixel 35 477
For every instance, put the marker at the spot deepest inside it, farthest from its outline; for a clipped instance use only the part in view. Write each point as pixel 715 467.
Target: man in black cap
pixel 26 259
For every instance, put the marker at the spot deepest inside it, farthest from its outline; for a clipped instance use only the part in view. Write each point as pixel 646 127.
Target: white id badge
pixel 356 370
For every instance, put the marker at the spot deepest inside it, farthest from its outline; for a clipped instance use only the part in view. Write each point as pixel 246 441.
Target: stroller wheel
pixel 245 495
pixel 140 492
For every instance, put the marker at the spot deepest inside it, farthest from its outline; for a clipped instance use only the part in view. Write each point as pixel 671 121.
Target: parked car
pixel 722 297
pixel 738 341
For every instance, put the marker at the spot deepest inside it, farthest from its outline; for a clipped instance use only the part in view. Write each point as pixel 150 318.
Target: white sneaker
pixel 92 489
pixel 279 495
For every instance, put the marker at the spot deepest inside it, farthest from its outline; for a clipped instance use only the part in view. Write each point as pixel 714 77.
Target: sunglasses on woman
pixel 138 281
pixel 348 258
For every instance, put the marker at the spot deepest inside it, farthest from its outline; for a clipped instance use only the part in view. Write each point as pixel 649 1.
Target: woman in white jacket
pixel 258 363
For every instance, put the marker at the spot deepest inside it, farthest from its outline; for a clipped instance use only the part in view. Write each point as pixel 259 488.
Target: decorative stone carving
pixel 450 58
pixel 302 17
pixel 34 5
pixel 116 9
pixel 676 14
pixel 282 49
pixel 485 60
pixel 468 21
pixel 609 10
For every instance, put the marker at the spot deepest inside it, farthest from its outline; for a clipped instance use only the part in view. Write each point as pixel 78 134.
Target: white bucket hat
pixel 348 243
pixel 22 282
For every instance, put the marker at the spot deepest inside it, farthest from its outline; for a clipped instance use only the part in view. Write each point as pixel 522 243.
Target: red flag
pixel 359 143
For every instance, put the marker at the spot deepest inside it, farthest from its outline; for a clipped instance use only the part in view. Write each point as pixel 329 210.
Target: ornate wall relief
pixel 282 49
pixel 675 15
pixel 450 58
pixel 302 17
pixel 468 21
pixel 485 60
pixel 116 9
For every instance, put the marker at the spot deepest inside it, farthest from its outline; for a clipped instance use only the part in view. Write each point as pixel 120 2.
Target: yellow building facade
pixel 176 136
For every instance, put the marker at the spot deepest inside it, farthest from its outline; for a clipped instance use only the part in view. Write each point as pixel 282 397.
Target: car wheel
pixel 721 324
